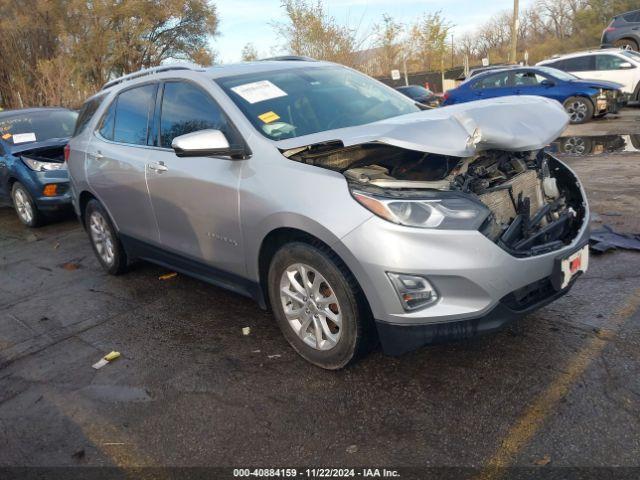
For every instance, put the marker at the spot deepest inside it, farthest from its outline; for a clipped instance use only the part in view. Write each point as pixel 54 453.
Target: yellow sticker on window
pixel 269 117
pixel 6 136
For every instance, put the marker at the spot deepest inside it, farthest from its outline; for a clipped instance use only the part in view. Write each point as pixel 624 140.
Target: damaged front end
pixel 526 201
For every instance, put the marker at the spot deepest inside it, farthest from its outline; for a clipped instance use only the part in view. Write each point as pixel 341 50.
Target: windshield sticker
pixel 24 137
pixel 269 117
pixel 6 136
pixel 259 91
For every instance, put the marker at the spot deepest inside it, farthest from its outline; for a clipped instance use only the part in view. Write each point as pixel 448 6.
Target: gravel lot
pixel 560 388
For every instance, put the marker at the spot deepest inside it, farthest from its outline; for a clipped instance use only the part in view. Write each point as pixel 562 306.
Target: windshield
pixel 632 54
pixel 559 74
pixel 37 126
pixel 295 102
pixel 415 91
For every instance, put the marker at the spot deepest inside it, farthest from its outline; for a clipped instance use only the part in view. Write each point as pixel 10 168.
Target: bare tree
pixel 389 44
pixel 249 53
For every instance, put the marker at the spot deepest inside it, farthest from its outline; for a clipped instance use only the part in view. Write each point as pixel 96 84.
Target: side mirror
pixel 625 66
pixel 547 83
pixel 205 143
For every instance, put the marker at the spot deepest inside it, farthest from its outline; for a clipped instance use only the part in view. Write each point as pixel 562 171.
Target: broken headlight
pixel 444 212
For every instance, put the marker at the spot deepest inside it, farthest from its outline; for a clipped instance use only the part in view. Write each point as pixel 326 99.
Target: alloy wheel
pixel 311 306
pixel 101 237
pixel 577 110
pixel 575 146
pixel 23 206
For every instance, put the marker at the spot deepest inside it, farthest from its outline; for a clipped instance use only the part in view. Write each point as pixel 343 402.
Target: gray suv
pixel 333 200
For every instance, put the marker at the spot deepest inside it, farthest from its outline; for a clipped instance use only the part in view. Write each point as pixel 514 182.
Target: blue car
pixel 582 99
pixel 33 172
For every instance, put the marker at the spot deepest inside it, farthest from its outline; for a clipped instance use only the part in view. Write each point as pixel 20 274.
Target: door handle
pixel 158 167
pixel 96 156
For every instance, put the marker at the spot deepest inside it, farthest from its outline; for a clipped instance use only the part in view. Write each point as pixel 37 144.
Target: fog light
pixel 414 292
pixel 50 190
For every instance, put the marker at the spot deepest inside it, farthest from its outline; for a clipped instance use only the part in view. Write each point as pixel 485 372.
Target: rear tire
pixel 25 206
pixel 579 109
pixel 325 319
pixel 104 238
pixel 626 42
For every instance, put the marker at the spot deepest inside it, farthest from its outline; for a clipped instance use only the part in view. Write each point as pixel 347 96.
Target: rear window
pixel 86 113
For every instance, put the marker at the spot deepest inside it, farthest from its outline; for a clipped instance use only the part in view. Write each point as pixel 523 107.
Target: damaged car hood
pixel 515 123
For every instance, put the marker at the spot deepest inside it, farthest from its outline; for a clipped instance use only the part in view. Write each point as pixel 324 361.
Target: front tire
pixel 579 109
pixel 25 206
pixel 104 239
pixel 318 305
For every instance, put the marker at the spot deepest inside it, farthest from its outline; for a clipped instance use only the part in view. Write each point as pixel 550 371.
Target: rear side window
pixel 632 17
pixel 106 124
pixel 187 108
pixel 86 113
pixel 577 64
pixel 133 115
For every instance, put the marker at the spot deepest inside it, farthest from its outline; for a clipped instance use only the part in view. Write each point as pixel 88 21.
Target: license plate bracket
pixel 569 266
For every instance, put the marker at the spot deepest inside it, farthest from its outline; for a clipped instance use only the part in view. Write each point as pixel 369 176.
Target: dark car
pixel 623 31
pixel 582 99
pixel 421 95
pixel 478 70
pixel 33 172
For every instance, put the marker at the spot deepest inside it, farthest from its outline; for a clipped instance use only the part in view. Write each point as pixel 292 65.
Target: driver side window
pixel 187 108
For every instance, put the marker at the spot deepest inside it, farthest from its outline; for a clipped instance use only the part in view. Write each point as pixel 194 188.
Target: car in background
pixel 476 71
pixel 421 95
pixel 33 173
pixel 623 31
pixel 611 64
pixel 582 99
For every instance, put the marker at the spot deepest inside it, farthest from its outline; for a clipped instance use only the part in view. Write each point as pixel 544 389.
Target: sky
pixel 243 21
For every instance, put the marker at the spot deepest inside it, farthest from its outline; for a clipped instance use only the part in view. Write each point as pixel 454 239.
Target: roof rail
pixel 294 58
pixel 146 71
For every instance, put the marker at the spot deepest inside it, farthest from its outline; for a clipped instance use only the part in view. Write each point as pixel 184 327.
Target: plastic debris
pixel 168 276
pixel 246 330
pixel 606 238
pixel 277 355
pixel 109 357
pixel 543 461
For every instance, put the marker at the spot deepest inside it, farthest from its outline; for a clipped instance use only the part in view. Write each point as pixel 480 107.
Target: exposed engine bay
pixel 535 202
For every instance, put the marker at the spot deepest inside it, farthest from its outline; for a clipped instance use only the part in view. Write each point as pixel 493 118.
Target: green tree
pixel 389 44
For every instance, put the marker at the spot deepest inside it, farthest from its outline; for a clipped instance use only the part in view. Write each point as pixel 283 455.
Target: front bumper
pixel 398 339
pixel 61 201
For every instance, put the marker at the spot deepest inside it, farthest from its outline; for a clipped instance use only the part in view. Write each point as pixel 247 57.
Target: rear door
pixel 492 85
pixel 116 161
pixel 195 199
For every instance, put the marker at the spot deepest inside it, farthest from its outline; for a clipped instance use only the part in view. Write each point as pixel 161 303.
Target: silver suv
pixel 333 200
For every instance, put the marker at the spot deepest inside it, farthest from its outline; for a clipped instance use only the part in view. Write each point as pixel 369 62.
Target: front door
pixel 195 199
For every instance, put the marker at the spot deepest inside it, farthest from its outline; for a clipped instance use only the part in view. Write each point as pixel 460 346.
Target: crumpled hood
pixel 32 147
pixel 598 84
pixel 514 123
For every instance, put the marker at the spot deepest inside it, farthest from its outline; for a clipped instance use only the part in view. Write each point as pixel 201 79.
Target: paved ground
pixel 560 388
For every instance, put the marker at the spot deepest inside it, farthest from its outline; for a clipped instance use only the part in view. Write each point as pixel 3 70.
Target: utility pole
pixel 452 51
pixel 514 32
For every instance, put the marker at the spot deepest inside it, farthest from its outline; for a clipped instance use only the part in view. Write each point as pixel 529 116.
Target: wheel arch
pixel 279 237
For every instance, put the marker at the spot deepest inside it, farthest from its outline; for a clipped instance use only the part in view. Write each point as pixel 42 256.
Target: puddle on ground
pixel 596 145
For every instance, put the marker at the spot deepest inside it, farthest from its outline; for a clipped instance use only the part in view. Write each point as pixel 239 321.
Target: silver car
pixel 333 200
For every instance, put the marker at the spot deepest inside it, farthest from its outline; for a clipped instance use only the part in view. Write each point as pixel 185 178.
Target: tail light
pixel 610 29
pixel 67 151
pixel 446 95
